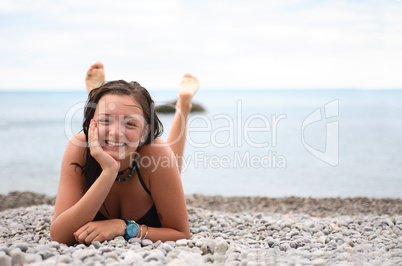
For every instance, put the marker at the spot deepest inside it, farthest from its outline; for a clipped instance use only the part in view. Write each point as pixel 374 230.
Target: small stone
pixel 112 255
pixel 389 222
pixel 156 255
pixel 111 262
pixel 81 254
pixel 22 246
pixel 133 258
pixel 203 229
pixel 318 262
pixel 294 233
pixel 181 242
pixel 5 260
pixel 276 227
pixel 32 258
pixel 204 249
pixel 146 242
pixel 334 227
pixel 167 247
pixel 18 257
pixel 80 246
pixel 172 255
pixel 54 244
pixel 156 244
pixel 211 245
pixel 64 259
pixel 221 246
pixel 96 244
pixel 171 243
pixel 134 240
pixel 105 249
pixel 349 249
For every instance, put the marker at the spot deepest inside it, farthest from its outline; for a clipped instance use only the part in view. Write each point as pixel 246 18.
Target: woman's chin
pixel 118 155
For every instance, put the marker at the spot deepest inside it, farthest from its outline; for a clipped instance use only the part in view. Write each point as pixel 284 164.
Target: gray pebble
pixel 181 242
pixel 155 255
pixel 167 247
pixel 64 259
pixel 276 227
pixel 5 260
pixel 203 229
pixel 204 249
pixel 133 258
pixel 221 246
pixel 22 246
pixel 18 257
pixel 147 242
pixel 96 244
pixel 218 238
pixel 135 240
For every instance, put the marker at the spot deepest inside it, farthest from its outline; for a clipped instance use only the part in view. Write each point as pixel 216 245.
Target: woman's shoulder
pixel 155 154
pixel 157 147
pixel 75 148
pixel 77 141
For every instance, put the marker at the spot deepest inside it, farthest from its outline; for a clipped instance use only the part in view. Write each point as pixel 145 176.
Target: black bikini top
pixel 150 219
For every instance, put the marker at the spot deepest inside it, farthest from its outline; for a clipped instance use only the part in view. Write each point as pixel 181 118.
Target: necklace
pixel 130 174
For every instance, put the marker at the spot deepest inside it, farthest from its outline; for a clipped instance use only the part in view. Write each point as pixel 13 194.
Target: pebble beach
pixel 225 231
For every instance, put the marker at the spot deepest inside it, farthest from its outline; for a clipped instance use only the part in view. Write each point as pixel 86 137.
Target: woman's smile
pixel 115 144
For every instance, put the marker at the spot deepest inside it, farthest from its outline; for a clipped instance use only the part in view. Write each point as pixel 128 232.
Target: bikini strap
pixel 140 178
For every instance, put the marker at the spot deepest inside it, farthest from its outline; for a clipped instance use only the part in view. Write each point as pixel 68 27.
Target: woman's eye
pixel 131 124
pixel 104 121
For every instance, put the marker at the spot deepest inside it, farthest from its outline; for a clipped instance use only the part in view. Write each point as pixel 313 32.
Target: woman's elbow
pixel 187 235
pixel 56 236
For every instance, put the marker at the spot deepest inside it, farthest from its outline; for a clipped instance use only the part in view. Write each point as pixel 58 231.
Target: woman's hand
pixel 107 162
pixel 100 231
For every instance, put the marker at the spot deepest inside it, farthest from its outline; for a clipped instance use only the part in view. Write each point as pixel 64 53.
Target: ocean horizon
pixel 274 143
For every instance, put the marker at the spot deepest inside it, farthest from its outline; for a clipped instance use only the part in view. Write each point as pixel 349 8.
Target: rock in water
pixel 170 108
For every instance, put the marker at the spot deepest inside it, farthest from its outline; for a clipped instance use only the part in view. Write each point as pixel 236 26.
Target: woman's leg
pixel 95 76
pixel 177 134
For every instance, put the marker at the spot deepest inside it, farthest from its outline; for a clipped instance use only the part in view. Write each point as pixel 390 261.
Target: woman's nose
pixel 117 129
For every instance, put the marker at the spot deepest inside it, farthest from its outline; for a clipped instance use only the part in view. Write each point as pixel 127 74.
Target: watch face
pixel 132 230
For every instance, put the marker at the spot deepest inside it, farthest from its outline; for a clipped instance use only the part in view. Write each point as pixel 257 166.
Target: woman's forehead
pixel 111 104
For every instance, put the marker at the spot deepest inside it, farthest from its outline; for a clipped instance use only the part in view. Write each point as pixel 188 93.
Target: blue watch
pixel 132 229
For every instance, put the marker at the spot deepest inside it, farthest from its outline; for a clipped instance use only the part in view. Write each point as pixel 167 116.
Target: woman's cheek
pixel 102 133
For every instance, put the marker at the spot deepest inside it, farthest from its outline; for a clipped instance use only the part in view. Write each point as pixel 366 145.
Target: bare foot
pixel 95 76
pixel 188 87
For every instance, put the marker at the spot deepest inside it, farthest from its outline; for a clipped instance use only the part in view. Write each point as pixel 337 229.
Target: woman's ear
pixel 144 134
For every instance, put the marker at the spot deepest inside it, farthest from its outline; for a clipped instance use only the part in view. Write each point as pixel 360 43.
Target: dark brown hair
pixel 92 169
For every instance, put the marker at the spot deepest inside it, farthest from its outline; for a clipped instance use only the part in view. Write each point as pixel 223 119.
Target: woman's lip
pixel 115 144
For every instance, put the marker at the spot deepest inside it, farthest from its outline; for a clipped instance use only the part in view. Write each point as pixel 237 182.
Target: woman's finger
pixel 81 235
pixel 90 237
pixel 93 137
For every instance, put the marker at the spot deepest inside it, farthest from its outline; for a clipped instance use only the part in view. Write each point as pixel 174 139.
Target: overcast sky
pixel 249 44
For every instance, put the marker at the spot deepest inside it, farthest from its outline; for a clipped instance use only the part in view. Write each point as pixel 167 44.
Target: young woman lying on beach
pixel 118 178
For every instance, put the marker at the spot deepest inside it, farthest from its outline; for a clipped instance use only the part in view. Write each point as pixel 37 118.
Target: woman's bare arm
pixel 164 182
pixel 74 205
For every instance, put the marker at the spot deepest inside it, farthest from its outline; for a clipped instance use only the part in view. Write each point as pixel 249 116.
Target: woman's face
pixel 121 124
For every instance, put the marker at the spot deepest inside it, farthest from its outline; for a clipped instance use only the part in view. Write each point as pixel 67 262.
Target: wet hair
pixel 91 170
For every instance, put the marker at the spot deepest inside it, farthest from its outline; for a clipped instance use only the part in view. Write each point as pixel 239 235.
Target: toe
pixel 97 65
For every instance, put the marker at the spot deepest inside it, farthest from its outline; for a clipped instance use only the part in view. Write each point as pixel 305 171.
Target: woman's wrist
pixel 121 227
pixel 110 172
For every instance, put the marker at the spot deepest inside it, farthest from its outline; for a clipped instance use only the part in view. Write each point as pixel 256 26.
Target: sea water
pixel 276 143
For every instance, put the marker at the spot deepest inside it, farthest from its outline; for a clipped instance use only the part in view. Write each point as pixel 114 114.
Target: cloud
pixel 227 44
